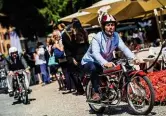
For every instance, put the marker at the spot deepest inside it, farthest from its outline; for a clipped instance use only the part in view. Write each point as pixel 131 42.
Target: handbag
pixel 62 60
pixel 52 61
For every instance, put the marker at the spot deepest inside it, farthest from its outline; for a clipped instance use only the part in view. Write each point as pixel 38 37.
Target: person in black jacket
pixel 75 46
pixel 16 62
pixel 31 62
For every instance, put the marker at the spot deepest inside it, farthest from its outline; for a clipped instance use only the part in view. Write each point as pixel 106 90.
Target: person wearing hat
pixel 100 52
pixel 16 62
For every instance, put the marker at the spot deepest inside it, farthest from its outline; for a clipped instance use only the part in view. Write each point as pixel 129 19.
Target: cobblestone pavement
pixel 48 101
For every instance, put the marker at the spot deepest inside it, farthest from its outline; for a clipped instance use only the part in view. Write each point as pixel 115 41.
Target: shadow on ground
pixel 20 102
pixel 118 110
pixel 68 91
pixel 3 91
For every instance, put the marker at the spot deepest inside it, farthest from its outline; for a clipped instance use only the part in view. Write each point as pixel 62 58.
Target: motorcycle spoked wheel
pixel 89 92
pixel 24 95
pixel 140 99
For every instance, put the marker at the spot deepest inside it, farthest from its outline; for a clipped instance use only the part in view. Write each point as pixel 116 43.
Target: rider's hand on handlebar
pixel 136 62
pixel 109 65
pixel 11 73
pixel 27 71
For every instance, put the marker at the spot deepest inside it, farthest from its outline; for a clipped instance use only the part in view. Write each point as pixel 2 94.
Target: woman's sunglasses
pixel 56 36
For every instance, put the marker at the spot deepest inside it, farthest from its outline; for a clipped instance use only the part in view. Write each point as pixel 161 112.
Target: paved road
pixel 48 101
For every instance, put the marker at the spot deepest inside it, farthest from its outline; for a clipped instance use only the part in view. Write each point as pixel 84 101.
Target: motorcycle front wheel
pixel 97 108
pixel 24 93
pixel 140 95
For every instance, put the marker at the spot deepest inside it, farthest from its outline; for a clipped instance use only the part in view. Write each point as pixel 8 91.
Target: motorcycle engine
pixel 112 87
pixel 109 87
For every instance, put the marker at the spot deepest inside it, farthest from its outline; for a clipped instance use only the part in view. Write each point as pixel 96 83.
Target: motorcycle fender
pixel 140 73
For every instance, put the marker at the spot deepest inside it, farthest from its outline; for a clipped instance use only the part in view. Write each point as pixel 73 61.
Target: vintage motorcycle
pixel 19 87
pixel 3 80
pixel 122 83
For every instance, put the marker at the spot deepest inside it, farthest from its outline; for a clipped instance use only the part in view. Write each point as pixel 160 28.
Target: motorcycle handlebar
pixel 124 60
pixel 19 71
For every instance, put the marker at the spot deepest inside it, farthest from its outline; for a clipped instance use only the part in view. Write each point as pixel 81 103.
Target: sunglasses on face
pixel 110 24
pixel 14 53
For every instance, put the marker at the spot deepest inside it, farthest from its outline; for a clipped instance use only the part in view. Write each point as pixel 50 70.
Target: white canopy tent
pixel 84 17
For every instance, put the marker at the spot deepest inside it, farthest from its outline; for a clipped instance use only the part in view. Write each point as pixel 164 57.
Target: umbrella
pixel 94 8
pixel 84 17
pixel 149 15
pixel 128 9
pixel 87 17
pixel 137 8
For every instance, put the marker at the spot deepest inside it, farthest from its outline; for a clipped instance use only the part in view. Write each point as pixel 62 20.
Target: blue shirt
pixel 98 50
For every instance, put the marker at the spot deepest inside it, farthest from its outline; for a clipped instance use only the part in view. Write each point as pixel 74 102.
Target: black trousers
pixel 75 76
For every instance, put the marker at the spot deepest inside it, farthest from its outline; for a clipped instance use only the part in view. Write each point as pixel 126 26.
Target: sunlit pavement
pixel 49 101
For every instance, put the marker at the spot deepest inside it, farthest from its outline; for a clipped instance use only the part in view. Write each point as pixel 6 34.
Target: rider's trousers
pixel 10 84
pixel 94 70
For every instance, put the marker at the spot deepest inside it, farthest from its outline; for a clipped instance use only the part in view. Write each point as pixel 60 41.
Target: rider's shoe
pixel 29 91
pixel 95 98
pixel 11 94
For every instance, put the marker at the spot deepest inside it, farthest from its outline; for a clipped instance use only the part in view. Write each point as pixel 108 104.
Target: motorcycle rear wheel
pixel 94 108
pixel 139 100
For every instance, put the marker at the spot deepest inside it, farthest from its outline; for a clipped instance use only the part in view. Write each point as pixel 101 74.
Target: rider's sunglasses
pixel 110 24
pixel 14 53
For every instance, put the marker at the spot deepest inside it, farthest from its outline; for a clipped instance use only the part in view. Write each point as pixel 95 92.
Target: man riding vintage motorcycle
pixel 111 81
pixel 16 62
pixel 100 52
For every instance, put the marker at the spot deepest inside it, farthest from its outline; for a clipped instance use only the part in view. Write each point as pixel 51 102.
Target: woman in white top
pixel 42 53
pixel 37 68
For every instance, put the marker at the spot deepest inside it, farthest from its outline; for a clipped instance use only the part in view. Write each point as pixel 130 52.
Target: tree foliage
pixel 53 8
pixel 34 15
